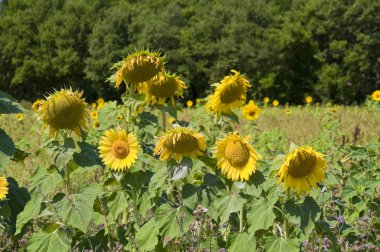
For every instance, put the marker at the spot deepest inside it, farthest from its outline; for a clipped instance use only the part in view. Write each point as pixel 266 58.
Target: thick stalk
pixel 163 120
pixel 286 219
pixel 241 219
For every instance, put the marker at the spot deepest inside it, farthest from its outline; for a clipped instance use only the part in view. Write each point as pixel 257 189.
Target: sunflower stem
pixel 241 216
pixel 68 182
pixel 163 120
pixel 286 219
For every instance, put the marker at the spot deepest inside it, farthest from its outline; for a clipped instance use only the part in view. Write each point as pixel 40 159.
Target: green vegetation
pixel 287 48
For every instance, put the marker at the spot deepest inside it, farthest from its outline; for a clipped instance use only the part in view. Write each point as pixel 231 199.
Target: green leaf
pixel 260 215
pixel 243 243
pixel 56 241
pixel 88 157
pixel 146 236
pixel 7 149
pixel 17 199
pixel 45 179
pixel 31 210
pixel 227 205
pixel 62 153
pixel 8 104
pixel 180 170
pixel 303 213
pixel 275 244
pixel 190 195
pixel 117 203
pixel 76 209
pixel 168 221
pixel 107 115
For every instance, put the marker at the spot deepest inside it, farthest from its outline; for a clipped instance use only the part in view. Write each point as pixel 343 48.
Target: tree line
pixel 288 49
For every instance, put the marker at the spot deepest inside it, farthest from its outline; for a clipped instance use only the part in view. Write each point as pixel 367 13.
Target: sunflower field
pixel 154 172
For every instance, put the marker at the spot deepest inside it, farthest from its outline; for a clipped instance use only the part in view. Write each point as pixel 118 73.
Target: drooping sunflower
pixel 229 94
pixel 139 67
pixel 309 99
pixel 118 149
pixel 180 142
pixel 164 87
pixel 37 104
pixel 3 188
pixel 376 96
pixel 251 111
pixel 64 110
pixel 303 167
pixel 236 157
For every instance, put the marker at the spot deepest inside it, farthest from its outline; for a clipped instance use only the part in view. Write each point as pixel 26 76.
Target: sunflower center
pixel 65 111
pixel 181 143
pixel 120 149
pixel 302 165
pixel 252 113
pixel 232 91
pixel 164 88
pixel 236 153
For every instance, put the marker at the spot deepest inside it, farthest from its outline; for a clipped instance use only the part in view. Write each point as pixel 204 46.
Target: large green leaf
pixel 260 215
pixel 107 115
pixel 31 210
pixel 56 241
pixel 243 243
pixel 227 205
pixel 117 203
pixel 275 244
pixel 76 209
pixel 146 236
pixel 62 153
pixel 8 104
pixel 168 220
pixel 45 179
pixel 88 157
pixel 7 149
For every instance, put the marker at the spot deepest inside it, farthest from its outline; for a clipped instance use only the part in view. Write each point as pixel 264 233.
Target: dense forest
pixel 288 49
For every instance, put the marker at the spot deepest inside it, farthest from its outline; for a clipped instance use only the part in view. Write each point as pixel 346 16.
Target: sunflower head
pixel 309 99
pixel 230 93
pixel 94 114
pixel 95 124
pixel 236 157
pixel 20 117
pixel 3 188
pixel 275 103
pixel 64 110
pixel 37 104
pixel 139 67
pixel 189 103
pixel 376 96
pixel 266 100
pixel 118 149
pixel 164 86
pixel 180 142
pixel 287 112
pixel 303 167
pixel 251 111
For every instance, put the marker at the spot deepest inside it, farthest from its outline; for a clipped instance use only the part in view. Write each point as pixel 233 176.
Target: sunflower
pixel 93 105
pixel 164 87
pixel 95 124
pixel 376 95
pixel 303 167
pixel 236 157
pixel 275 103
pixel 189 103
pixel 171 120
pixel 139 67
pixel 3 188
pixel 37 104
pixel 100 103
pixel 118 149
pixel 94 114
pixel 266 100
pixel 251 111
pixel 20 117
pixel 198 101
pixel 287 112
pixel 230 93
pixel 64 110
pixel 180 142
pixel 309 99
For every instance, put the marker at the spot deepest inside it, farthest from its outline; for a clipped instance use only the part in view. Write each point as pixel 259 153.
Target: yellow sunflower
pixel 171 120
pixel 164 87
pixel 376 95
pixel 266 100
pixel 198 101
pixel 229 94
pixel 94 114
pixel 236 157
pixel 20 117
pixel 37 104
pixel 303 167
pixel 287 112
pixel 189 103
pixel 64 110
pixel 3 188
pixel 309 99
pixel 139 67
pixel 251 111
pixel 118 149
pixel 93 105
pixel 275 103
pixel 180 142
pixel 95 124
